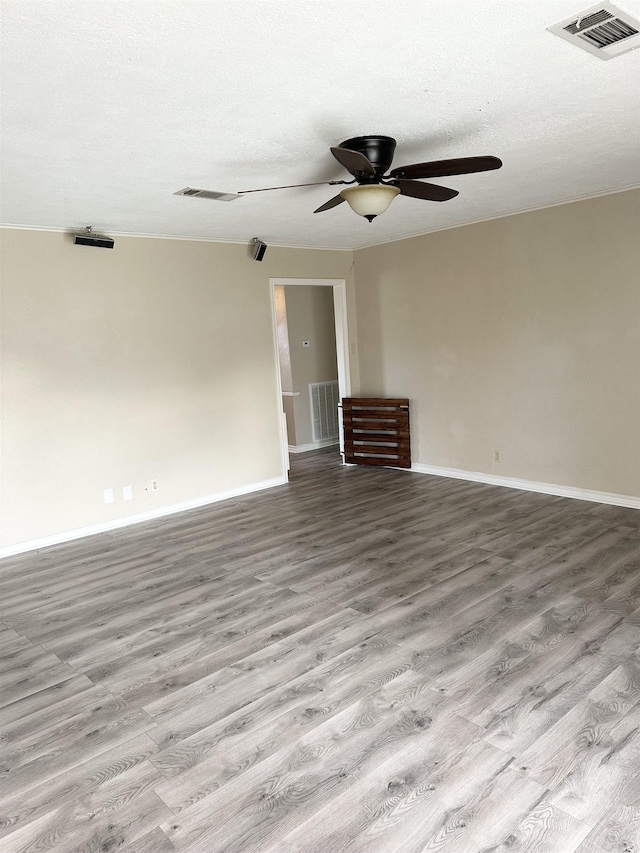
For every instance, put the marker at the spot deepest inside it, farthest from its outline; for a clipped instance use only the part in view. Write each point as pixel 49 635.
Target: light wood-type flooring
pixel 362 660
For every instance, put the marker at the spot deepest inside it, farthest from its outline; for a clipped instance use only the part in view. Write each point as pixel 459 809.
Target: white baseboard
pixel 315 445
pixel 418 468
pixel 529 485
pixel 149 515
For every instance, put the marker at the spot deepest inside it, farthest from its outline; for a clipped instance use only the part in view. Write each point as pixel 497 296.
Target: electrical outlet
pixel 152 486
pixel 497 457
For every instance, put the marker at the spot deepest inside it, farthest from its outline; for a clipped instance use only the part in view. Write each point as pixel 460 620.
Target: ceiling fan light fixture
pixel 369 200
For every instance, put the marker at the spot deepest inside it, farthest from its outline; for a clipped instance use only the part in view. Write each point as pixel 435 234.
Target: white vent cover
pixel 324 410
pixel 207 194
pixel 603 30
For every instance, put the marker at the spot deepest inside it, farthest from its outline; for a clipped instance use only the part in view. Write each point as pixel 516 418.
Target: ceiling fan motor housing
pixel 379 150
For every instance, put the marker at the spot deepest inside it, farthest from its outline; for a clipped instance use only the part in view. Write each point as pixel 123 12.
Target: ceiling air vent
pixel 207 194
pixel 603 30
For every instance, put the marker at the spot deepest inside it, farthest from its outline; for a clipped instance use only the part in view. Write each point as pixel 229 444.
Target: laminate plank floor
pixel 362 660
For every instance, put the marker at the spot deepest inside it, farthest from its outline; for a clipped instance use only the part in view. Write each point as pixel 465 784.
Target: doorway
pixel 308 400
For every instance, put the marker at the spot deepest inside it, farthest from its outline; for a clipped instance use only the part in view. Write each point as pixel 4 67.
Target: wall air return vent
pixel 324 398
pixel 207 194
pixel 603 30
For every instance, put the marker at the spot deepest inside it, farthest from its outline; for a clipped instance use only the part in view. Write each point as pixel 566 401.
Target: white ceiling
pixel 108 108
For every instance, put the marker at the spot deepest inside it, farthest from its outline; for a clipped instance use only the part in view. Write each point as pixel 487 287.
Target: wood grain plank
pixel 237 686
pixel 359 660
pixel 595 731
pixel 49 697
pixel 86 778
pixel 11 641
pixel 193 768
pixel 97 825
pixel 515 669
pixel 88 744
pixel 405 801
pixel 607 756
pixel 25 682
pixel 618 831
pixel 152 842
pixel 517 721
pixel 545 829
pixel 286 788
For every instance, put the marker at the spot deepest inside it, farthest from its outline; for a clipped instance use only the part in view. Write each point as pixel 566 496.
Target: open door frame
pixel 339 286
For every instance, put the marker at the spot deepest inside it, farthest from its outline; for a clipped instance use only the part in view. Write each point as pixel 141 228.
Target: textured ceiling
pixel 108 108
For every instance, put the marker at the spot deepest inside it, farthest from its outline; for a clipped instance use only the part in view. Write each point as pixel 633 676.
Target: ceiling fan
pixel 369 157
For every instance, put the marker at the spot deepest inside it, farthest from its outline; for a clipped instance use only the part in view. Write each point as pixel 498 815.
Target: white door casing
pixel 339 286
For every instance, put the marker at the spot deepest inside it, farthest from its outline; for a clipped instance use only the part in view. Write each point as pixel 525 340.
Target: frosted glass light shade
pixel 370 200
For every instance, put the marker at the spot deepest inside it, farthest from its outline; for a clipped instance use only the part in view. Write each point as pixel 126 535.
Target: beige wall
pixel 152 361
pixel 310 318
pixel 156 360
pixel 519 335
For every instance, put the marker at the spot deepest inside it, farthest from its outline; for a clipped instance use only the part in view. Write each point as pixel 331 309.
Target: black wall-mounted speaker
pixel 88 238
pixel 259 249
pixel 99 242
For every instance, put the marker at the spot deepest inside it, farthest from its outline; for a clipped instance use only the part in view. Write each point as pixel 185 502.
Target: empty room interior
pixel 320 387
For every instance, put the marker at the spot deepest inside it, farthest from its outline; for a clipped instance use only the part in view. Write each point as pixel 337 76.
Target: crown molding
pixel 358 248
pixel 61 230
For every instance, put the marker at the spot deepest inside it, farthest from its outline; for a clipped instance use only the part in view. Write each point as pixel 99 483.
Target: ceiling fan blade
pixel 333 202
pixel 441 168
pixel 353 161
pixel 293 186
pixel 430 192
